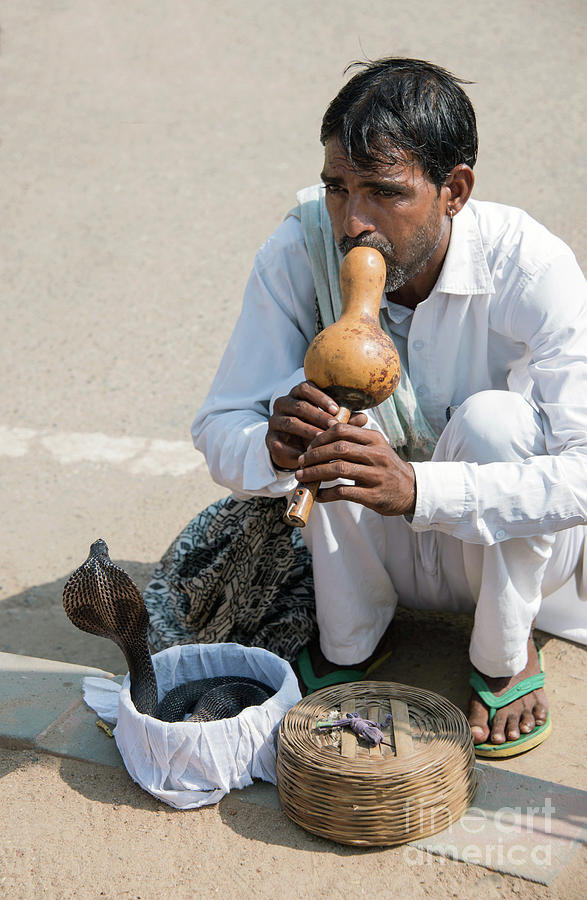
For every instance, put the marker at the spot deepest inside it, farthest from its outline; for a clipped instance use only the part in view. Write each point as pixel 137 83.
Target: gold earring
pixel 451 212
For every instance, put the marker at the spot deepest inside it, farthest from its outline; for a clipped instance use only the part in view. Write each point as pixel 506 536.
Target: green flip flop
pixel 493 703
pixel 339 676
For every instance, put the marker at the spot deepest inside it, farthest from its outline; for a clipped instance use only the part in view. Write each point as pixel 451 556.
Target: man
pixel 469 492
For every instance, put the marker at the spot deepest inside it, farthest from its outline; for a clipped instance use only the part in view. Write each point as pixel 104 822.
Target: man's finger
pixel 307 390
pixel 282 452
pixel 290 425
pixel 351 433
pixel 335 469
pixel 294 409
pixel 338 450
pixel 350 492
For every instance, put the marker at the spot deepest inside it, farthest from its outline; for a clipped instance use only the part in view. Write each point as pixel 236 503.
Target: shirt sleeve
pixel 263 360
pixel 543 494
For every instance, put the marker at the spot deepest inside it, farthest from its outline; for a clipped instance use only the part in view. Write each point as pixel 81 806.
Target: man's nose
pixel 356 218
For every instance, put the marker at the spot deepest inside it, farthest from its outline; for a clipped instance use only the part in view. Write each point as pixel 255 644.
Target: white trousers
pixel 365 564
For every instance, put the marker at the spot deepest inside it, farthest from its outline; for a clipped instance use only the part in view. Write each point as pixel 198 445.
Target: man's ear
pixel 457 188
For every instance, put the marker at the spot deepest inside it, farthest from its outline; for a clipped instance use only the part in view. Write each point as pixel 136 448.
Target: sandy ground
pixel 103 837
pixel 148 149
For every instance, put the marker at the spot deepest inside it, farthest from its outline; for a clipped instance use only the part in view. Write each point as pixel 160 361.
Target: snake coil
pixel 102 599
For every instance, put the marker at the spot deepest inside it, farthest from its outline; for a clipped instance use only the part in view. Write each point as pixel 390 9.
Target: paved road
pixel 148 149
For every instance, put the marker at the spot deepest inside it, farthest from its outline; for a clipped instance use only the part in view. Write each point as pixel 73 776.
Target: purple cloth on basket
pixel 365 728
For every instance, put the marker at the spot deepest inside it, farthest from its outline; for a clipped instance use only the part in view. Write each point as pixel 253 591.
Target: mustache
pixel 385 247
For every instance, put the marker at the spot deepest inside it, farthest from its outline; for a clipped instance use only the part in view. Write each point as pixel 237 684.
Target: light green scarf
pixel 400 415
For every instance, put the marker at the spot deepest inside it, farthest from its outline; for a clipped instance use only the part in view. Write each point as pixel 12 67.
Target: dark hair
pixel 397 107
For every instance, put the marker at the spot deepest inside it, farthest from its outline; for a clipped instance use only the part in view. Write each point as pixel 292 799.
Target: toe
pixel 540 713
pixel 478 720
pixel 527 722
pixel 498 727
pixel 512 728
pixel 479 733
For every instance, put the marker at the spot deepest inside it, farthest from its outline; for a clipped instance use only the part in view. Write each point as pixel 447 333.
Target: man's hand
pixel 297 419
pixel 382 481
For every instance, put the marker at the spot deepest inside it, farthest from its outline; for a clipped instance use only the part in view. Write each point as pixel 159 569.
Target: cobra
pixel 102 599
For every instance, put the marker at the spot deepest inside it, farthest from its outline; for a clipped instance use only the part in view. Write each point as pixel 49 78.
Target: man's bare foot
pixel 519 717
pixel 322 666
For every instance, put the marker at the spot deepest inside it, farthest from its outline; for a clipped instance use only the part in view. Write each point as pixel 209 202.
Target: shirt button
pixel 422 390
pixel 417 345
pixel 500 534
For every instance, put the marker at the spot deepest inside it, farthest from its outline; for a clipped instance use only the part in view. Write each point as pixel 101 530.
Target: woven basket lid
pixel 335 785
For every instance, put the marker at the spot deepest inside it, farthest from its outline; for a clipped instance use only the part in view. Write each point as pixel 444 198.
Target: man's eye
pixel 332 188
pixel 383 192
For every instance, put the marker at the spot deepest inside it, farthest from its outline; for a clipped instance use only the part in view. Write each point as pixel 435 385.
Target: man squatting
pixel 488 311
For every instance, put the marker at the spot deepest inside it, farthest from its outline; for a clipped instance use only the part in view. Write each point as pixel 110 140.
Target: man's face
pixel 396 209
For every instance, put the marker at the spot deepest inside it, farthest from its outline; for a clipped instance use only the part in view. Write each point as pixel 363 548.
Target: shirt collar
pixel 465 269
pixel 396 313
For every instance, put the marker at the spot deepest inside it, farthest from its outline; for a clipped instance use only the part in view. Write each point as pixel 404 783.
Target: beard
pixel 399 271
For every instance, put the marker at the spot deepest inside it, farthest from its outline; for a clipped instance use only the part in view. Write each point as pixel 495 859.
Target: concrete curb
pixel 41 708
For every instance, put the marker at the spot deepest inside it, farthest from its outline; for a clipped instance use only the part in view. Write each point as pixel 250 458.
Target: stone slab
pixel 517 825
pixel 34 694
pixel 77 735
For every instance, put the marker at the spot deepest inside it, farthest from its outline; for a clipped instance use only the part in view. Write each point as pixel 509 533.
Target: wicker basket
pixel 337 786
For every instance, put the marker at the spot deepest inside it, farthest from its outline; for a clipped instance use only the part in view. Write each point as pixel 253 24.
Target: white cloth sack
pixel 191 764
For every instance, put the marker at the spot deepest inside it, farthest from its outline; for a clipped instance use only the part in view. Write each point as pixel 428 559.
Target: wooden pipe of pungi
pixel 353 360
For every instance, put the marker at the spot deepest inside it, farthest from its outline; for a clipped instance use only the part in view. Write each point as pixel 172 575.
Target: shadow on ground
pixel 115 788
pixel 109 786
pixel 33 623
pixel 11 760
pixel 430 650
pixel 272 826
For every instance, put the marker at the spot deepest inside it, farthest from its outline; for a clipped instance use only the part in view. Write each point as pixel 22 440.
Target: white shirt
pixel 508 312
